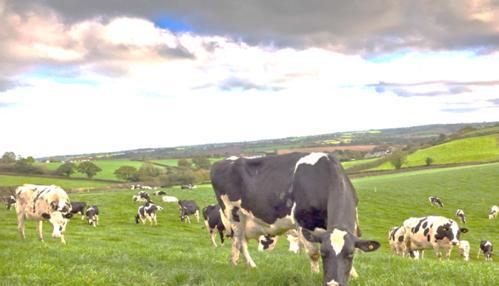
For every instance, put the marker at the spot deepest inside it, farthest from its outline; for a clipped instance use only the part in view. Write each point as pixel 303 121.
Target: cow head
pixel 451 231
pixel 58 221
pixel 337 249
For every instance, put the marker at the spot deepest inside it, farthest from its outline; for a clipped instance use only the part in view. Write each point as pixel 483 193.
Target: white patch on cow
pixel 310 159
pixel 338 240
pixel 487 243
pixel 232 158
pixel 332 283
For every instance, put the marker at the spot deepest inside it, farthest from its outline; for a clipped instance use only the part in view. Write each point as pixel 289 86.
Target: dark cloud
pixel 374 27
pixel 435 88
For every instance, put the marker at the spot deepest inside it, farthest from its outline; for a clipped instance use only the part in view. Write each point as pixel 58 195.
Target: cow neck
pixel 342 203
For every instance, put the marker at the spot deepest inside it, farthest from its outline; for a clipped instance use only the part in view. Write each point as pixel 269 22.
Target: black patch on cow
pixel 46 215
pixel 444 231
pixel 235 214
pixel 416 228
pixel 428 237
pixel 392 234
pixel 401 238
pixel 425 224
pixel 426 231
pixel 312 218
pixel 267 241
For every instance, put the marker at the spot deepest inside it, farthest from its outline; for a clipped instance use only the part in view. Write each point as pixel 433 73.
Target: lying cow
pixel 78 207
pixel 487 249
pixel 10 202
pixel 92 215
pixel 213 222
pixel 147 212
pixel 159 193
pixel 187 187
pixel 37 203
pixel 464 249
pixel 309 193
pixel 460 214
pixel 396 240
pixel 188 208
pixel 169 199
pixel 436 201
pixel 432 232
pixel 494 210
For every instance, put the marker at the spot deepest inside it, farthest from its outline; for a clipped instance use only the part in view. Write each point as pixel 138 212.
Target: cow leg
pixel 243 242
pixel 212 237
pixel 97 219
pixel 447 252
pixel 188 219
pixel 196 214
pixel 39 229
pixel 221 233
pixel 437 252
pixel 353 273
pixel 20 224
pixel 155 220
pixel 312 252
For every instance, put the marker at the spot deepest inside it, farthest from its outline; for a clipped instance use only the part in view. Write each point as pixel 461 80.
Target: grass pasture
pixel 119 252
pixel 6 180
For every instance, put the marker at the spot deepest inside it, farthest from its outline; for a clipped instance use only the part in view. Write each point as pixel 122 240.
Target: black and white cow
pixel 307 192
pixel 432 232
pixel 464 249
pixel 436 201
pixel 494 210
pixel 187 187
pixel 78 207
pixel 10 202
pixel 396 240
pixel 141 196
pixel 159 193
pixel 213 220
pixel 188 208
pixel 487 249
pixel 92 215
pixel 147 212
pixel 460 214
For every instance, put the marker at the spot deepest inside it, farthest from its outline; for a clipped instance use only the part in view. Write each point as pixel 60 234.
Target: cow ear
pixel 463 230
pixel 367 245
pixel 310 236
pixel 46 215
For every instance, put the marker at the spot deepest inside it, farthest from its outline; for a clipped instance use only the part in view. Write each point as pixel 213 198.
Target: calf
pixel 92 214
pixel 214 222
pixel 147 212
pixel 10 202
pixel 494 210
pixel 436 201
pixel 36 202
pixel 188 208
pixel 464 249
pixel 487 249
pixel 396 240
pixel 78 207
pixel 159 193
pixel 169 199
pixel 460 215
pixel 432 232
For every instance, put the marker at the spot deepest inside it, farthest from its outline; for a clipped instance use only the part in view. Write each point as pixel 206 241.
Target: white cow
pixel 169 199
pixel 464 249
pixel 36 202
pixel 494 210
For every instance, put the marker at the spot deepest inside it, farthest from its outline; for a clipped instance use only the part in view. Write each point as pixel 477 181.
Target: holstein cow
pixel 147 212
pixel 436 201
pixel 307 192
pixel 188 208
pixel 487 249
pixel 494 210
pixel 36 202
pixel 169 199
pixel 464 249
pixel 432 232
pixel 213 222
pixel 141 196
pixel 461 216
pixel 159 193
pixel 78 207
pixel 92 214
pixel 10 202
pixel 396 240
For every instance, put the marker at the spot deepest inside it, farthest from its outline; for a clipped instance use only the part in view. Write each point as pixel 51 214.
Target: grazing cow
pixel 188 208
pixel 487 249
pixel 306 192
pixel 36 202
pixel 464 249
pixel 78 207
pixel 187 187
pixel 213 222
pixel 396 240
pixel 141 196
pixel 494 210
pixel 432 232
pixel 460 215
pixel 436 201
pixel 159 193
pixel 169 199
pixel 10 202
pixel 147 212
pixel 92 214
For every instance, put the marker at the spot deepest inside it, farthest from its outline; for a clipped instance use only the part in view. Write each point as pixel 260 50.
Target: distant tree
pixel 148 170
pixel 8 157
pixel 428 161
pixel 184 163
pixel 88 168
pixel 201 163
pixel 66 169
pixel 25 166
pixel 127 173
pixel 397 159
pixel 30 159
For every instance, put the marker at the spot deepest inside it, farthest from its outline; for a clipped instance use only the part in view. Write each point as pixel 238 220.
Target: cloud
pixel 6 84
pixel 430 88
pixel 234 83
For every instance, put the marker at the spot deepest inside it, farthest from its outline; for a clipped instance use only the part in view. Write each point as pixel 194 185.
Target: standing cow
pixel 494 210
pixel 37 203
pixel 432 232
pixel 307 192
pixel 92 215
pixel 436 201
pixel 10 202
pixel 396 240
pixel 460 214
pixel 213 222
pixel 464 249
pixel 78 207
pixel 147 212
pixel 487 249
pixel 188 208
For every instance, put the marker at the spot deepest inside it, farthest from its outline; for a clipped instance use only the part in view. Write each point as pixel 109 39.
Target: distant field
pixel 119 252
pixel 350 164
pixel 174 162
pixel 108 167
pixel 19 180
pixel 474 149
pixel 328 149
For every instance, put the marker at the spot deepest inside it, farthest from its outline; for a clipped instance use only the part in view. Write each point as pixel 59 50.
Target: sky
pixel 99 76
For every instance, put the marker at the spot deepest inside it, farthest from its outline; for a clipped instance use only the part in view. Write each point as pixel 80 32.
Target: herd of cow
pixel 307 197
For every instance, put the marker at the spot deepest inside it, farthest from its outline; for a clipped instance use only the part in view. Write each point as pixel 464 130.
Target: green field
pixel 174 162
pixel 64 183
pixel 350 164
pixel 108 167
pixel 119 252
pixel 474 149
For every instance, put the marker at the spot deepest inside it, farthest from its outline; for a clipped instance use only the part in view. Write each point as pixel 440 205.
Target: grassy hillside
pixel 108 167
pixel 120 252
pixel 474 149
pixel 66 184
